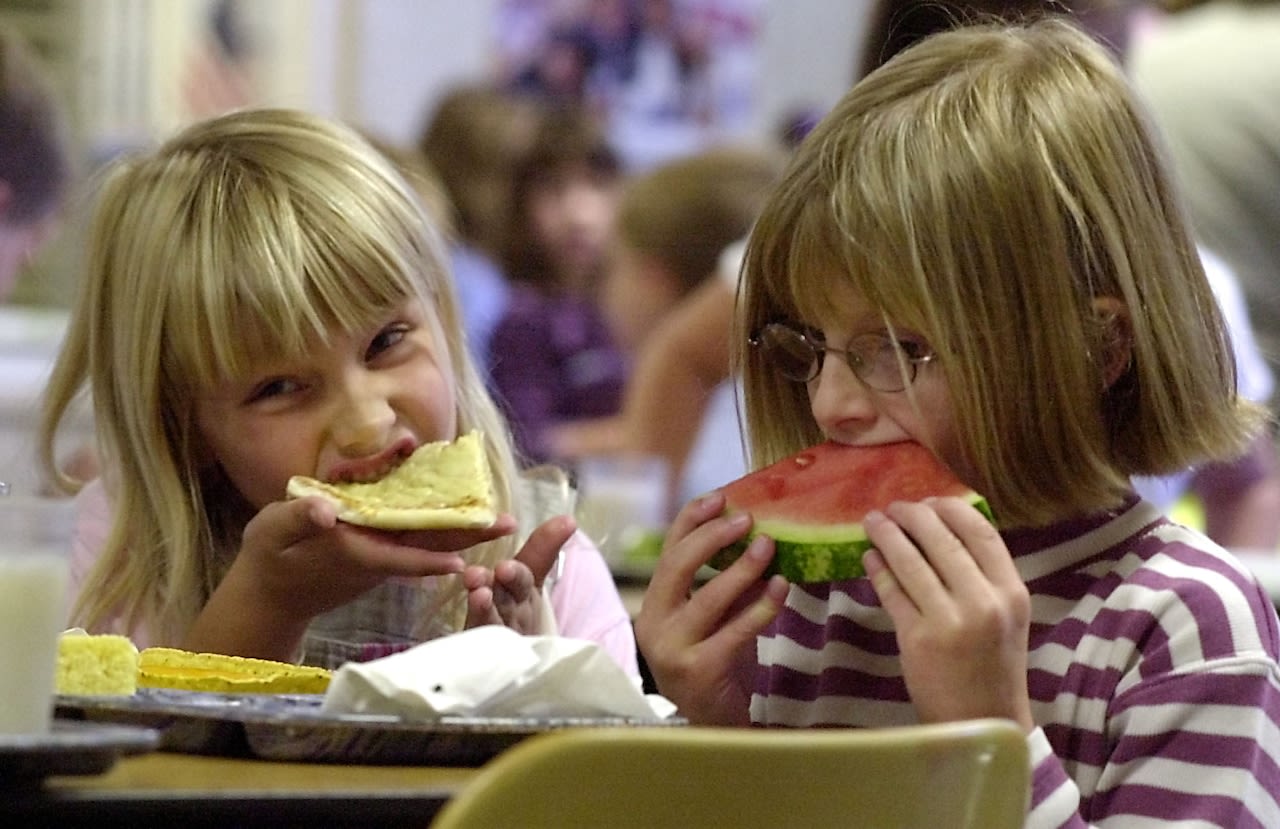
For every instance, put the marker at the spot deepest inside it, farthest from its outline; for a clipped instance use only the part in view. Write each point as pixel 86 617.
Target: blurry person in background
pixel 35 165
pixel 218 73
pixel 472 140
pixel 422 179
pixel 1210 72
pixel 674 224
pixel 560 69
pixel 553 359
pixel 36 175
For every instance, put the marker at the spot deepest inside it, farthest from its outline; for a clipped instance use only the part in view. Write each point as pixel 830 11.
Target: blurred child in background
pixel 472 140
pixel 553 359
pixel 35 160
pixel 674 223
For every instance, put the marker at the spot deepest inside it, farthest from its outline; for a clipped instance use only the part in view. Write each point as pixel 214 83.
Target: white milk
pixel 33 590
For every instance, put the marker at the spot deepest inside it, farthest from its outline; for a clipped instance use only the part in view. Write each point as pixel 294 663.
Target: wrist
pixel 239 620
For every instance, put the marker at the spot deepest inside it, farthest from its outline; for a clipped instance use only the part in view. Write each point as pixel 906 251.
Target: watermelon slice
pixel 812 503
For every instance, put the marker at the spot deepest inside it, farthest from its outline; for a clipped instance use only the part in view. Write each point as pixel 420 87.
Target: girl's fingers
pixel 947 555
pixel 697 532
pixel 979 537
pixel 515 579
pixel 540 552
pixel 386 552
pixel 892 597
pixel 481 609
pixel 284 523
pixel 454 540
pixel 912 572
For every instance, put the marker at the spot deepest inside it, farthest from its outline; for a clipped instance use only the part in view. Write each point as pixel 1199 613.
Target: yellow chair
pixel 963 775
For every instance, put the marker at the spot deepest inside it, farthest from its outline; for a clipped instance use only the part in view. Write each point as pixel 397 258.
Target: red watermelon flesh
pixel 812 503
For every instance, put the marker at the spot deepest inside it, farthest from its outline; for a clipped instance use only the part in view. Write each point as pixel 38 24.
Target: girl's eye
pixel 914 349
pixel 385 339
pixel 275 387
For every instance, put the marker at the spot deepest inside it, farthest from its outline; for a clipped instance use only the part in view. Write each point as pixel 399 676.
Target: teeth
pixel 374 476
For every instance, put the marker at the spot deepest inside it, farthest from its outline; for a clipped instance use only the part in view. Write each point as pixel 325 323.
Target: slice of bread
pixel 442 485
pixel 214 672
pixel 96 664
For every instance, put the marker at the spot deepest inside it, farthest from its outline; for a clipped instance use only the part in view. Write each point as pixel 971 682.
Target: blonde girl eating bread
pixel 265 298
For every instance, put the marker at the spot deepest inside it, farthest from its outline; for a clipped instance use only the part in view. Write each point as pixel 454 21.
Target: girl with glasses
pixel 979 250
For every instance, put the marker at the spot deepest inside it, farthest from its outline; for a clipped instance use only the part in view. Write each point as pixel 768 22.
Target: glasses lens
pixel 875 362
pixel 885 367
pixel 791 354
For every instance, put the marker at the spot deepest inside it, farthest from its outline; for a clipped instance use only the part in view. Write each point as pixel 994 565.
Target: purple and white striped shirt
pixel 1152 671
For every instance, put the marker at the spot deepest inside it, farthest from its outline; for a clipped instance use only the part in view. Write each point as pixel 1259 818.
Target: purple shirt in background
pixel 553 360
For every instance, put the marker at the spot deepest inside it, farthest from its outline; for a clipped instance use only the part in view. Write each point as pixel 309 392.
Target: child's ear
pixel 1115 336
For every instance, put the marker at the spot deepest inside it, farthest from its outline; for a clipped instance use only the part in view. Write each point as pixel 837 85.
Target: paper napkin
pixel 492 671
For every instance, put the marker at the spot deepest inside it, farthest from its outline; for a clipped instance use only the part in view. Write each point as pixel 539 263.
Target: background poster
pixel 668 76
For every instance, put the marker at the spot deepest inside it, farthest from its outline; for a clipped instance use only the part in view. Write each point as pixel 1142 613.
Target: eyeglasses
pixel 879 361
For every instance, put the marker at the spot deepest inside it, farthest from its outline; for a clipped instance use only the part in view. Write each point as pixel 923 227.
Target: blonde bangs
pixel 283 279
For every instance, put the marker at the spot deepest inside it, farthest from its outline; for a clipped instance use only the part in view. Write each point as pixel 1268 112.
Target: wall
pixel 403 53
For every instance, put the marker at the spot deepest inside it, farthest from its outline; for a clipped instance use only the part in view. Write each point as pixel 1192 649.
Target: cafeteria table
pixel 187 790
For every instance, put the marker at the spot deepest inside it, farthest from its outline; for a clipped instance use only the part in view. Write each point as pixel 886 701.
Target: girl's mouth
pixel 373 469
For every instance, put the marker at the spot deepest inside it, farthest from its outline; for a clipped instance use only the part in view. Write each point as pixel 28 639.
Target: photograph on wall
pixel 668 76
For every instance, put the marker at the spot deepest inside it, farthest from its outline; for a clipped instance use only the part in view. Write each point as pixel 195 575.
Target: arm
pixel 297 561
pixel 1175 727
pixel 587 604
pixel 686 357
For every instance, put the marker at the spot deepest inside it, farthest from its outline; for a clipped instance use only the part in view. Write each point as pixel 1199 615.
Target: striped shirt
pixel 1152 671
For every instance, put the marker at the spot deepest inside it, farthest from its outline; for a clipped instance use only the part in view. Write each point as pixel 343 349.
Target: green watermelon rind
pixel 806 554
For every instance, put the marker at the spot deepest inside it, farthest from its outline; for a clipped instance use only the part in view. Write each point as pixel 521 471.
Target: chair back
pixel 962 775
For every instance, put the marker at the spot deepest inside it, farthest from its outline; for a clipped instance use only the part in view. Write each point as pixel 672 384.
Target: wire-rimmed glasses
pixel 878 360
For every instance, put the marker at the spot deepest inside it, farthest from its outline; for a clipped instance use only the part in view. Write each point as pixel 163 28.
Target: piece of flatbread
pixel 441 486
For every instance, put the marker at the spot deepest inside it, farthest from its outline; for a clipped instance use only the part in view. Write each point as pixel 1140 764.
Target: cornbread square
pixel 104 664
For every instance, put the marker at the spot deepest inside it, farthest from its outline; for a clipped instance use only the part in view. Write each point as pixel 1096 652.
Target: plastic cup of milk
pixel 35 547
pixel 621 498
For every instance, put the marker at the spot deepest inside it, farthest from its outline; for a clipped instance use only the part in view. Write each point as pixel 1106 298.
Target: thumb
pixel 282 524
pixel 542 549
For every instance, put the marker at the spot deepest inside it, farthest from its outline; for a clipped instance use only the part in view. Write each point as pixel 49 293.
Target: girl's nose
pixel 363 419
pixel 839 399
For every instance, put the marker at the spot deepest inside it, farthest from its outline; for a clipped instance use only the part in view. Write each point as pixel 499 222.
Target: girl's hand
pixel 297 560
pixel 960 609
pixel 511 593
pixel 701 646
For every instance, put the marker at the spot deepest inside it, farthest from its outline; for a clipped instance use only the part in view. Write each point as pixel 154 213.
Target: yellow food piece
pixel 442 485
pixel 96 664
pixel 217 673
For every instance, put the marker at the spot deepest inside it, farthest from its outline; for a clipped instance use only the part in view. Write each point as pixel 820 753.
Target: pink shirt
pixel 583 595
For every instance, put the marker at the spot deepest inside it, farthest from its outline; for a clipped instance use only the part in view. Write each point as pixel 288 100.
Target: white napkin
pixel 492 671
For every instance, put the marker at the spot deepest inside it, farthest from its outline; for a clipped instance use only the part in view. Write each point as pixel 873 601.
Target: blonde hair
pixel 263 229
pixel 685 212
pixel 982 189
